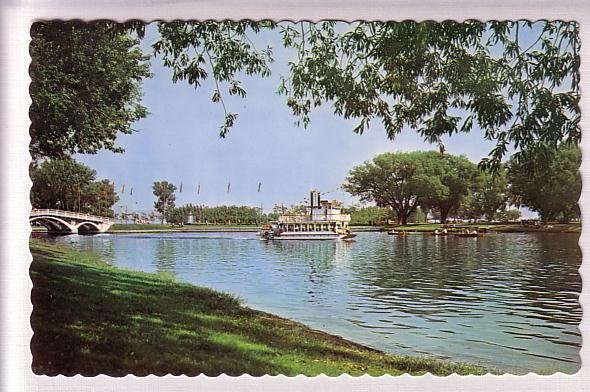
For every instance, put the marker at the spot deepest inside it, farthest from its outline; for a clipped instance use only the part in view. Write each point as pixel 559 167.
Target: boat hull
pixel 307 236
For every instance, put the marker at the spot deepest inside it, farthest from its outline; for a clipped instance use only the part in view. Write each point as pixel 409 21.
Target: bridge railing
pixel 70 214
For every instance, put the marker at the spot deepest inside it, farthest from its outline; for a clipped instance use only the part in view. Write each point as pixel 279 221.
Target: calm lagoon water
pixel 507 301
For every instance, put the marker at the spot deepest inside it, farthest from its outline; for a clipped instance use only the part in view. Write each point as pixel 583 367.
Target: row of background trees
pixel 406 185
pixel 547 183
pixel 403 186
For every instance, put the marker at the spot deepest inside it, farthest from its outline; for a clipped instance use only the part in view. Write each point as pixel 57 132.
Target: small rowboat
pixel 347 236
pixel 393 232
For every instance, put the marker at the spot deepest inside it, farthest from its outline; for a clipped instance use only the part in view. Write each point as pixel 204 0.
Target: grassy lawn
pixel 92 318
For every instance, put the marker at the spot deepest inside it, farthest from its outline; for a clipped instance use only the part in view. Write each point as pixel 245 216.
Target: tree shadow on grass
pixel 93 321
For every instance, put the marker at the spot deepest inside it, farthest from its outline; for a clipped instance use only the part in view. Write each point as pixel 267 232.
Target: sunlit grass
pixel 92 318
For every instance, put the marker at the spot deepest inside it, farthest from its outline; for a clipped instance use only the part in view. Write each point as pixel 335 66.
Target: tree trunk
pixel 405 219
pixel 444 212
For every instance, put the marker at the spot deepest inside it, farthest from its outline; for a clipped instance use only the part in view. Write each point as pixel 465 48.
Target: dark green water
pixel 508 301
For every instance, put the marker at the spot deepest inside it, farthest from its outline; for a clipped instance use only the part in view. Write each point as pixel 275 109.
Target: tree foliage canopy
pixel 164 191
pixel 490 195
pixel 548 183
pixel 452 179
pixel 441 78
pixel 85 86
pixel 69 185
pixel 446 184
pixel 518 81
pixel 403 181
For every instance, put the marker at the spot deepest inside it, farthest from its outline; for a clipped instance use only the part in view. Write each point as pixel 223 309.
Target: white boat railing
pixel 69 214
pixel 314 218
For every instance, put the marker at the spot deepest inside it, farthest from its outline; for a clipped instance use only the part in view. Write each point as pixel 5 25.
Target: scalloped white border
pixel 15 285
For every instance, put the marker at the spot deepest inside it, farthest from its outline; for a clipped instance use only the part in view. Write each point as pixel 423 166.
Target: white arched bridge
pixel 59 221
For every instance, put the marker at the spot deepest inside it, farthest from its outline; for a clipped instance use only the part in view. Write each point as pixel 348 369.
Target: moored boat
pixel 440 232
pixel 394 232
pixel 324 220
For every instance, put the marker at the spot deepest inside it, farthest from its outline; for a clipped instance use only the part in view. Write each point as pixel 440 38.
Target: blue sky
pixel 179 142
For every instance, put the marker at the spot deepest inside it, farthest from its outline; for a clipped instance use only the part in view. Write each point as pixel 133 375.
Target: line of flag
pixel 164 183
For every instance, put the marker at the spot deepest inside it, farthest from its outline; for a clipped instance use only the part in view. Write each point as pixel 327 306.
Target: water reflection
pixel 508 301
pixel 166 253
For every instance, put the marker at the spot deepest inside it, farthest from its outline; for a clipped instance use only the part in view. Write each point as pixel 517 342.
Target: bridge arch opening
pixel 53 224
pixel 88 228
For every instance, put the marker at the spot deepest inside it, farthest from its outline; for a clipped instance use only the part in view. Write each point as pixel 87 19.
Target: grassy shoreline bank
pixel 91 318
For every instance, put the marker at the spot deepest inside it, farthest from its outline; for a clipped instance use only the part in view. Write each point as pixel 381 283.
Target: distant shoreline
pixel 424 228
pixel 419 228
pixel 212 229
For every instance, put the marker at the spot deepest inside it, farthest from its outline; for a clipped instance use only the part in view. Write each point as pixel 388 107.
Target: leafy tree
pixel 517 80
pixel 452 179
pixel 297 209
pixel 404 181
pixel 441 78
pixel 469 208
pixel 279 209
pixel 418 216
pixel 101 197
pixel 548 182
pixel 85 86
pixel 491 196
pixel 175 215
pixel 399 181
pixel 164 191
pixel 69 185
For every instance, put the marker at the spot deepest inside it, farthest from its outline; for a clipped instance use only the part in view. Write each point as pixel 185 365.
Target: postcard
pixel 218 200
